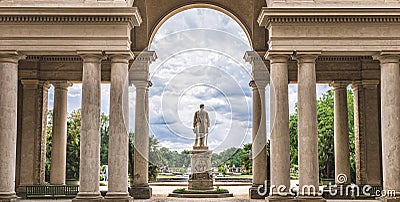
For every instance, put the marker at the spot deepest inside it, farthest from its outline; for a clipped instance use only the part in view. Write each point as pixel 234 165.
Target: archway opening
pixel 200 61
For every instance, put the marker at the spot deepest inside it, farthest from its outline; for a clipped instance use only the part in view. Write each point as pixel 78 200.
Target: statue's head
pixel 201 106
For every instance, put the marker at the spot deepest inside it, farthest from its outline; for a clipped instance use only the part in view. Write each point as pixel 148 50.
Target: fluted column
pixel 140 78
pixel 307 124
pixel 341 132
pixel 119 129
pixel 8 122
pixel 59 134
pixel 390 106
pixel 89 171
pixel 280 138
pixel 259 127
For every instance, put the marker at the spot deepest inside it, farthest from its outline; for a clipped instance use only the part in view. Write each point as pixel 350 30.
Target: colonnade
pixel 280 152
pixel 90 137
pixel 308 129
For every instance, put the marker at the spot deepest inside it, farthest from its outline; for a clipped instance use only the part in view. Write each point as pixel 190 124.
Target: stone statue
pixel 201 123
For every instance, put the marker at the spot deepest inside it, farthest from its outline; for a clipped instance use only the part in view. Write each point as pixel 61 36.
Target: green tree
pixel 130 158
pixel 104 127
pixel 48 144
pixel 73 144
pixel 246 159
pixel 294 160
pixel 230 156
pixel 325 110
pixel 350 103
pixel 155 156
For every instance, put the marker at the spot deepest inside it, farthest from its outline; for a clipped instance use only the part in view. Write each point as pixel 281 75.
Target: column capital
pixel 255 60
pixel 387 57
pixel 252 84
pixel 120 56
pixel 91 56
pixel 142 84
pixel 258 84
pixel 35 84
pixel 251 56
pixel 146 56
pixel 355 85
pixel 306 56
pixel 140 67
pixel 337 85
pixel 62 84
pixel 370 84
pixel 11 56
pixel 367 84
pixel 30 84
pixel 259 70
pixel 45 85
pixel 278 56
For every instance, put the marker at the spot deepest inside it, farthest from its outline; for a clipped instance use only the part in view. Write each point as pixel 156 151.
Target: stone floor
pixel 160 195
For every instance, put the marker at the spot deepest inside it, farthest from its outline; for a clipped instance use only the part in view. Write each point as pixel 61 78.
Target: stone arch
pixel 189 5
pixel 155 12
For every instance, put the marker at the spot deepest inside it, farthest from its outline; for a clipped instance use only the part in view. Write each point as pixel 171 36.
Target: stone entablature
pixel 66 31
pixel 333 3
pixel 328 68
pixel 66 3
pixel 333 31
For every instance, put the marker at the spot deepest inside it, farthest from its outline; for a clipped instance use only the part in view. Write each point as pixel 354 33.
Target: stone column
pixel 140 76
pixel 8 122
pixel 259 125
pixel 59 135
pixel 32 140
pixel 119 129
pixel 367 132
pixel 89 171
pixel 308 128
pixel 341 132
pixel 390 106
pixel 280 138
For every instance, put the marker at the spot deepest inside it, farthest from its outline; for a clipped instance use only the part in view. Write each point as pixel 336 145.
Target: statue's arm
pixel 208 120
pixel 195 120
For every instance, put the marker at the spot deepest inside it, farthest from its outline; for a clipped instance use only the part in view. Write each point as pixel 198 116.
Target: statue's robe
pixel 201 121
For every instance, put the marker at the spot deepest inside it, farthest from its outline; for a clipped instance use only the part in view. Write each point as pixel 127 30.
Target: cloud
pixel 200 60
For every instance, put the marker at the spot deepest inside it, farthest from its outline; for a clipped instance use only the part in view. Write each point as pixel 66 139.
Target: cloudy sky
pixel 200 60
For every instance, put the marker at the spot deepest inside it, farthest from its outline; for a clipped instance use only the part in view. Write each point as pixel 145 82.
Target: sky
pixel 200 60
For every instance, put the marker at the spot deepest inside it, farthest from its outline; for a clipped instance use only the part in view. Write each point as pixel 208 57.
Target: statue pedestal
pixel 201 177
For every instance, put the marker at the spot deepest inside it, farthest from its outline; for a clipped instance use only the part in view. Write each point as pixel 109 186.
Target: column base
pixel 8 200
pixel 280 198
pixel 254 192
pixel 117 197
pixel 21 191
pixel 389 199
pixel 88 196
pixel 127 199
pixel 310 199
pixel 7 197
pixel 141 192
